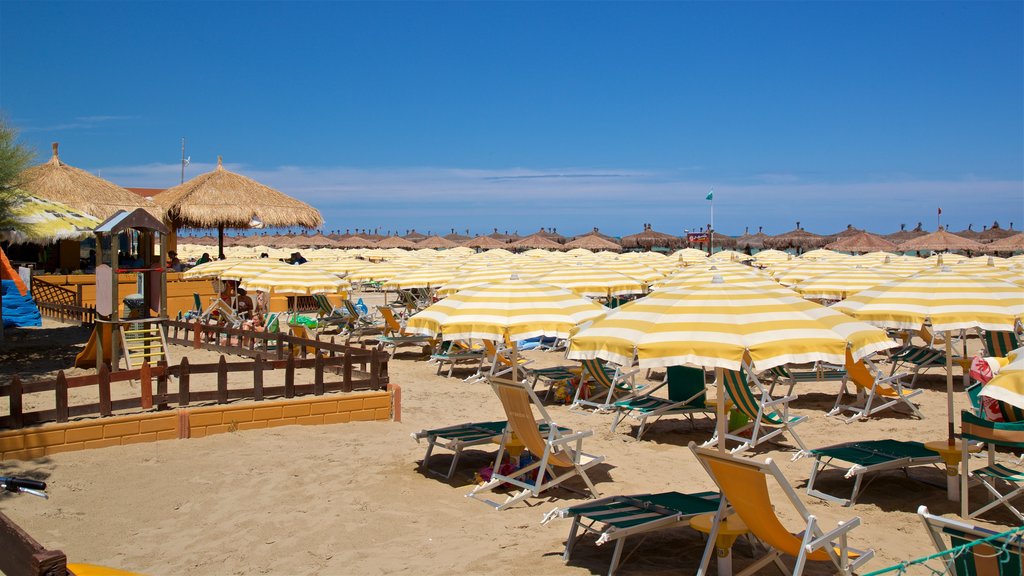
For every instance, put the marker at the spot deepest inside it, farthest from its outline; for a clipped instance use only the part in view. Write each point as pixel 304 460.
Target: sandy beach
pixel 350 498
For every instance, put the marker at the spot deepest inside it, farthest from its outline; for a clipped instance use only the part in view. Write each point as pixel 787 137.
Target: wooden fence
pixel 61 304
pixel 163 398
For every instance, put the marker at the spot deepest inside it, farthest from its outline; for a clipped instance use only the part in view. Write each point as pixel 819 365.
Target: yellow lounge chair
pixel 878 391
pixel 395 334
pixel 744 488
pixel 554 452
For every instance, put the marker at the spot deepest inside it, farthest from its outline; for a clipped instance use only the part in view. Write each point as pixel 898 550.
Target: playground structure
pixel 139 333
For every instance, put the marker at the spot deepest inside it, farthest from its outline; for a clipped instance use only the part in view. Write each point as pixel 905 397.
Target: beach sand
pixel 350 499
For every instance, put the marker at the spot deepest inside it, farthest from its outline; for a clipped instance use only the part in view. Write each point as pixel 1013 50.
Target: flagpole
pixel 711 233
pixel 182 159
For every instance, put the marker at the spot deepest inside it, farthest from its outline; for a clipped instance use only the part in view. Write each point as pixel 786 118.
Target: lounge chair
pixel 361 321
pixel 767 416
pixel 329 316
pixel 453 352
pixel 973 550
pixel 878 391
pixel 395 334
pixel 615 518
pixel 1000 343
pixel 686 397
pixel 501 363
pixel 461 436
pixel 744 486
pixel 821 372
pixel 865 458
pixel 613 385
pixel 995 475
pixel 554 452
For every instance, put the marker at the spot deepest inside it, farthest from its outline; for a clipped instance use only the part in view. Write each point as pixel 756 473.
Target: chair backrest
pixel 1010 434
pixel 516 400
pixel 323 305
pixel 1000 555
pixel 1000 343
pixel 273 322
pixel 595 369
pixel 684 383
pixel 197 302
pixel 858 373
pixel 390 321
pixel 735 382
pixel 744 484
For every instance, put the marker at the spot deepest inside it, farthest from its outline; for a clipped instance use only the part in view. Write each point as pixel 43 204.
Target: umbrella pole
pixel 720 423
pixel 220 241
pixel 949 389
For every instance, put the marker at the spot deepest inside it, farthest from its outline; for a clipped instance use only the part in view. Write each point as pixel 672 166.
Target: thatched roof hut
pixel 456 237
pixel 503 237
pixel 848 231
pixel 436 243
pixel 414 236
pixel 593 242
pixel 356 242
pixel 903 234
pixel 748 241
pixel 596 232
pixel 552 235
pixel 76 188
pixel 484 243
pixel 862 242
pixel 996 233
pixel 969 233
pixel 223 199
pixel 797 238
pixel 940 241
pixel 535 241
pixel 395 242
pixel 1013 243
pixel 650 239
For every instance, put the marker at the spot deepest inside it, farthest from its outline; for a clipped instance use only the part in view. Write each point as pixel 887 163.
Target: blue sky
pixel 519 115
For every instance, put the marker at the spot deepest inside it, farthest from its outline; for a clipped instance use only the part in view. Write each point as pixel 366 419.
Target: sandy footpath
pixel 349 498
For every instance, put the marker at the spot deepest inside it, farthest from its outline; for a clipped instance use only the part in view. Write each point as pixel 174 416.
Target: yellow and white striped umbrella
pixel 719 325
pixel 805 270
pixel 840 283
pixel 249 269
pixel 772 256
pixel 299 280
pixel 593 281
pixel 340 267
pixel 730 256
pixel 429 276
pixel 690 256
pixel 210 269
pixel 1008 385
pixel 380 272
pixel 516 308
pixel 906 266
pixel 736 274
pixel 637 269
pixel 950 301
pixel 466 279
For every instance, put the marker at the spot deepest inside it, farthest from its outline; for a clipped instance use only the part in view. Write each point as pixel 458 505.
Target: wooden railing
pixel 61 303
pixel 163 398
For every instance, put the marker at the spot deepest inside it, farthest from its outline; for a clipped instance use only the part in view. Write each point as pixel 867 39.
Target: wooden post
pixel 318 374
pixel 61 397
pixel 183 382
pixel 222 380
pixel 161 385
pixel 289 377
pixel 374 369
pixel 146 385
pixel 197 336
pixel 104 390
pixel 17 417
pixel 346 373
pixel 257 378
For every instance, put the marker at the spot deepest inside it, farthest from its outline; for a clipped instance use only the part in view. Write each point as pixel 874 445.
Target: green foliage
pixel 14 159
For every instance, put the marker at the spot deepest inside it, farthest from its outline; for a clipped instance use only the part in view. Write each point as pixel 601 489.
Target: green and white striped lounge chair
pixel 1000 343
pixel 995 475
pixel 615 518
pixel 686 397
pixel 613 384
pixel 820 373
pixel 461 436
pixel 450 353
pixel 919 357
pixel 864 458
pixel 973 550
pixel 768 416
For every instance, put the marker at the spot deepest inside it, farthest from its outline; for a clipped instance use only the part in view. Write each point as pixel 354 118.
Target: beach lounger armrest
pixel 571 437
pixel 781 400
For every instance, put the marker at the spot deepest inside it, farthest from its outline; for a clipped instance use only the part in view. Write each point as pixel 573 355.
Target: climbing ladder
pixel 143 341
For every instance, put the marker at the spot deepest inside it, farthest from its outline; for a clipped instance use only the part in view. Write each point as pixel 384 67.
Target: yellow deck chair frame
pixel 876 389
pixel 559 453
pixel 744 486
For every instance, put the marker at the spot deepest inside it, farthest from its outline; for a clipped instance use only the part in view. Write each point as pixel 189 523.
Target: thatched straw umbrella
pixel 223 199
pixel 593 242
pixel 750 242
pixel 940 241
pixel 395 242
pixel 318 240
pixel 456 237
pixel 552 235
pixel 356 242
pixel 996 233
pixel 484 243
pixel 862 242
pixel 1013 243
pixel 436 243
pixel 797 238
pixel 969 233
pixel 650 239
pixel 849 231
pixel 596 232
pixel 57 181
pixel 903 234
pixel 535 241
pixel 414 236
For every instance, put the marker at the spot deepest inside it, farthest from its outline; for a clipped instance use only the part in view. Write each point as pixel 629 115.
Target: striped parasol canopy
pixel 823 254
pixel 249 269
pixel 339 267
pixel 730 273
pixel 210 269
pixel 380 272
pixel 771 256
pixel 44 221
pixel 730 255
pixel 722 326
pixel 1008 385
pixel 947 299
pixel 593 281
pixel 840 284
pixel 690 256
pixel 805 270
pixel 906 266
pixel 466 279
pixel 429 276
pixel 301 280
pixel 635 269
pixel 518 309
